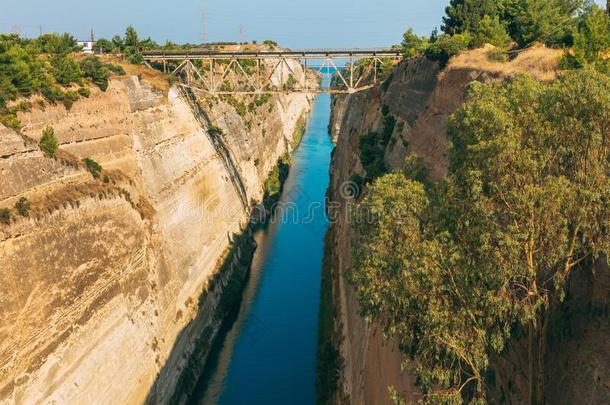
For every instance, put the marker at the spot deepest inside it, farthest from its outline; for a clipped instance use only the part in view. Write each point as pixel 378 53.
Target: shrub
pixel 67 70
pixel 48 141
pixel 5 216
pixel 445 47
pixel 372 150
pixel 116 69
pixel 94 69
pixel 94 168
pixel 69 98
pixel 84 92
pixel 10 120
pixel 136 58
pixel 23 207
pixel 291 82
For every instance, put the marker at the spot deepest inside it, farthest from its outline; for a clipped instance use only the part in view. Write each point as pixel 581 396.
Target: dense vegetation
pixel 512 24
pixel 48 66
pixel 450 268
pixel 455 269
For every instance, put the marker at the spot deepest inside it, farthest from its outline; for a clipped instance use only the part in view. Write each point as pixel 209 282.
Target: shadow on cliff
pixel 195 352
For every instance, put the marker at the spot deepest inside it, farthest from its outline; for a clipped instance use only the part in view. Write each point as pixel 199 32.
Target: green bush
pixel 10 120
pixel 67 70
pixel 445 47
pixel 69 98
pixel 94 168
pixel 84 92
pixel 116 69
pixel 136 58
pixel 52 93
pixel 23 207
pixel 94 69
pixel 291 83
pixel 5 216
pixel 48 141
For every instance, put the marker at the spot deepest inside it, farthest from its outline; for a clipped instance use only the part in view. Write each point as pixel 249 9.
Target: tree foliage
pixel 450 268
pixel 45 65
pixel 412 44
pixel 48 141
pixel 466 15
pixel 592 40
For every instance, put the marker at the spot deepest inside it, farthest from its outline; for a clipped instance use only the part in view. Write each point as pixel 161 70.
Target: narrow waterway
pixel 268 355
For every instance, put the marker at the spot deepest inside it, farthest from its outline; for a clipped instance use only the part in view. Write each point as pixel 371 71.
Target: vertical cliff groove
pixel 223 150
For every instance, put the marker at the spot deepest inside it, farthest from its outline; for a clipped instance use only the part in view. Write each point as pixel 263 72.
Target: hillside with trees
pixel 455 269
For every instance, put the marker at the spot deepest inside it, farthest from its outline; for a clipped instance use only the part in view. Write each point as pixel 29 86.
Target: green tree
pixel 105 46
pixel 450 269
pixel 131 37
pixel 48 142
pixel 67 70
pixel 23 207
pixel 412 44
pixel 93 68
pixel 465 15
pixel 592 38
pixel 94 168
pixel 491 31
pixel 118 43
pixel 546 21
pixel 447 46
pixel 5 216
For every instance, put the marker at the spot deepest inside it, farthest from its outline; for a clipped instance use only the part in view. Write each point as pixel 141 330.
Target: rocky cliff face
pixel 421 98
pixel 107 284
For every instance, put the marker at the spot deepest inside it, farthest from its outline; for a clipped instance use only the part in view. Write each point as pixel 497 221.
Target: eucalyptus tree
pixel 451 268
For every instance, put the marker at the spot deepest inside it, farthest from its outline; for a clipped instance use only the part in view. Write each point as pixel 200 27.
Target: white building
pixel 87 46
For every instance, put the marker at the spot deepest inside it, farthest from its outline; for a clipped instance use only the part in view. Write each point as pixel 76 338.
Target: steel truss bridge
pixel 213 74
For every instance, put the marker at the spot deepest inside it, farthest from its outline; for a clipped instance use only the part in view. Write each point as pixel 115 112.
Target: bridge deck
pixel 296 54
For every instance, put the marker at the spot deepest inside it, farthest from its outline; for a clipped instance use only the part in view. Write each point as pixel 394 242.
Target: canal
pixel 268 355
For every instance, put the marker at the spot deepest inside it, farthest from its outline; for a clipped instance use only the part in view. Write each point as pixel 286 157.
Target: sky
pixel 295 24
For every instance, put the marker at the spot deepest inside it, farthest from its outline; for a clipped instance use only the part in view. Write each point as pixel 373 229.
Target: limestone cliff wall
pixel 422 98
pixel 100 284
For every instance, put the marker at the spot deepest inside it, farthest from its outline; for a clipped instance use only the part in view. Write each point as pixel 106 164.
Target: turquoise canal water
pixel 268 355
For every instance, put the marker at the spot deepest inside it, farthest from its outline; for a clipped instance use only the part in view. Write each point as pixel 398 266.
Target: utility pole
pixel 40 30
pixel 241 33
pixel 92 37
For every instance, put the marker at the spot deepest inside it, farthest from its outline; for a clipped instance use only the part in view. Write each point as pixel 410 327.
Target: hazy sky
pixel 307 23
